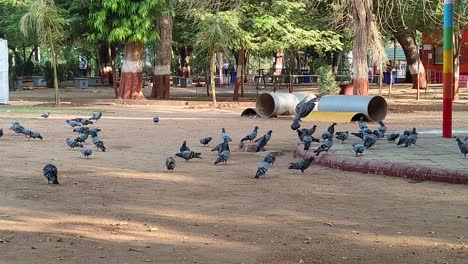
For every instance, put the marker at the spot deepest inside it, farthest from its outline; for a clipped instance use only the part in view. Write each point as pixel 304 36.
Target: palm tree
pixel 43 21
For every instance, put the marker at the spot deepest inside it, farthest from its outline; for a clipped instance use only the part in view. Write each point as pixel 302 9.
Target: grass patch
pixel 85 111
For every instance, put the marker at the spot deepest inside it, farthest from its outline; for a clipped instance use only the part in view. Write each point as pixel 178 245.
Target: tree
pixel 44 21
pixel 130 22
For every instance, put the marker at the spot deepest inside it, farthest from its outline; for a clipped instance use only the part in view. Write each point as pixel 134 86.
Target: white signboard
pixel 4 92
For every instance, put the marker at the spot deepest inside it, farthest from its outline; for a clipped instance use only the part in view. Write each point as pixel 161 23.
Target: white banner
pixel 4 92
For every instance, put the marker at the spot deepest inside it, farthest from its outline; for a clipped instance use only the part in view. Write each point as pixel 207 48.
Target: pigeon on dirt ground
pixel 96 116
pixel 362 124
pixel 251 136
pixel 392 137
pixel 188 155
pixel 301 165
pixel 99 144
pixel 270 158
pixel 369 140
pixel 342 136
pixel 224 135
pixel 35 134
pixel 324 147
pixel 73 144
pixel 412 138
pixel 205 141
pixel 156 120
pixel 382 127
pixel 358 149
pixel 262 141
pixel 184 147
pixel 51 173
pixel 73 123
pixel 218 148
pixel 80 129
pixel 45 114
pixel 463 146
pixel 86 152
pixel 86 122
pixel 262 169
pixel 303 108
pixel 170 163
pixel 225 153
pixel 403 138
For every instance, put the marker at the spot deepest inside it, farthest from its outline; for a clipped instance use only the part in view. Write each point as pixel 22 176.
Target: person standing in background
pixel 83 66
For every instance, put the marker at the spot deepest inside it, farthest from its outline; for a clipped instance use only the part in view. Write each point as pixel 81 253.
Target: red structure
pixel 432 58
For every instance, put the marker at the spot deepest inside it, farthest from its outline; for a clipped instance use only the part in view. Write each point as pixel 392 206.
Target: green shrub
pixel 327 83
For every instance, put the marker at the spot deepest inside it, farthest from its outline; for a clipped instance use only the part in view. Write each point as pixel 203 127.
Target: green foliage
pixel 327 83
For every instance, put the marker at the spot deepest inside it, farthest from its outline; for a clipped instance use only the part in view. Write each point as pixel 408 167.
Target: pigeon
pixel 1 132
pixel 301 165
pixel 205 141
pixel 311 130
pixel 403 138
pixel 462 146
pixel 324 147
pixel 362 124
pixel 218 148
pixel 303 131
pixel 307 139
pixel 187 155
pixel 326 135
pixel 96 116
pixel 358 149
pixel 86 152
pixel 378 134
pixel 359 135
pixel 224 135
pixel 86 122
pixel 80 129
pixel 392 137
pixel 73 123
pixel 156 119
pixel 184 147
pixel 251 136
pixel 51 174
pixel 17 128
pixel 73 144
pixel 262 141
pixel 34 135
pixel 77 119
pixel 262 169
pixel 412 138
pixel 45 115
pixel 369 140
pixel 225 153
pixel 99 144
pixel 331 129
pixel 270 158
pixel 82 137
pixel 303 108
pixel 170 163
pixel 342 136
pixel 25 132
pixel 382 127
pixel 94 130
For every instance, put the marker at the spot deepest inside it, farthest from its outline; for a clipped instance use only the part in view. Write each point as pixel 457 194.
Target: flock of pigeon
pixel 368 136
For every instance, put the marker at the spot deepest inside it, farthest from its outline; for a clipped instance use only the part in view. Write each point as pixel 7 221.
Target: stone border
pixel 417 173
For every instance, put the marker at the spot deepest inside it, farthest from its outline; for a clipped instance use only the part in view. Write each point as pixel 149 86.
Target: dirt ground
pixel 105 207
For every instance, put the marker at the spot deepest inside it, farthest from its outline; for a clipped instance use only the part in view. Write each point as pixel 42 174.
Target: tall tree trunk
pixel 220 67
pixel 162 68
pixel 406 39
pixel 362 14
pixel 132 75
pixel 457 42
pixel 212 76
pixel 239 69
pixel 337 57
pixel 244 67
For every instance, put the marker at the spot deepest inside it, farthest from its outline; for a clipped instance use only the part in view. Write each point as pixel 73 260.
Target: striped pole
pixel 447 70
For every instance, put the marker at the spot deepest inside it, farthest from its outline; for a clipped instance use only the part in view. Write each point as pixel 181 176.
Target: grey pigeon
pixel 378 134
pixel 80 129
pixel 307 139
pixel 86 122
pixel 205 141
pixel 342 136
pixel 96 116
pixel 224 135
pixel 303 108
pixel 382 127
pixel 73 144
pixel 311 130
pixel 224 154
pixel 188 155
pixel 218 148
pixel 35 134
pixel 270 158
pixel 302 132
pixel 1 132
pixel 170 163
pixel 392 137
pixel 251 136
pixel 184 147
pixel 262 169
pixel 326 135
pixel 403 138
pixel 369 140
pixel 358 148
pixel 301 165
pixel 412 138
pixel 331 128
pixel 462 146
pixel 94 130
pixel 362 123
pixel 25 132
pixel 156 119
pixel 73 123
pixel 82 137
pixel 86 152
pixel 45 115
pixel 77 119
pixel 324 147
pixel 99 144
pixel 51 173
pixel 263 141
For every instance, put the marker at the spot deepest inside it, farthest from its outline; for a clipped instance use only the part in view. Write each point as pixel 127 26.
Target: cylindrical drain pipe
pixel 375 107
pixel 276 104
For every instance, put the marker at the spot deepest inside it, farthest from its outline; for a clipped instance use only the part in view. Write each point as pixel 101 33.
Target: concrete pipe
pixel 276 104
pixel 375 107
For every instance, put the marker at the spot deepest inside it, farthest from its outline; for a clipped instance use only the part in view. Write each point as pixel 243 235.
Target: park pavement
pixel 433 158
